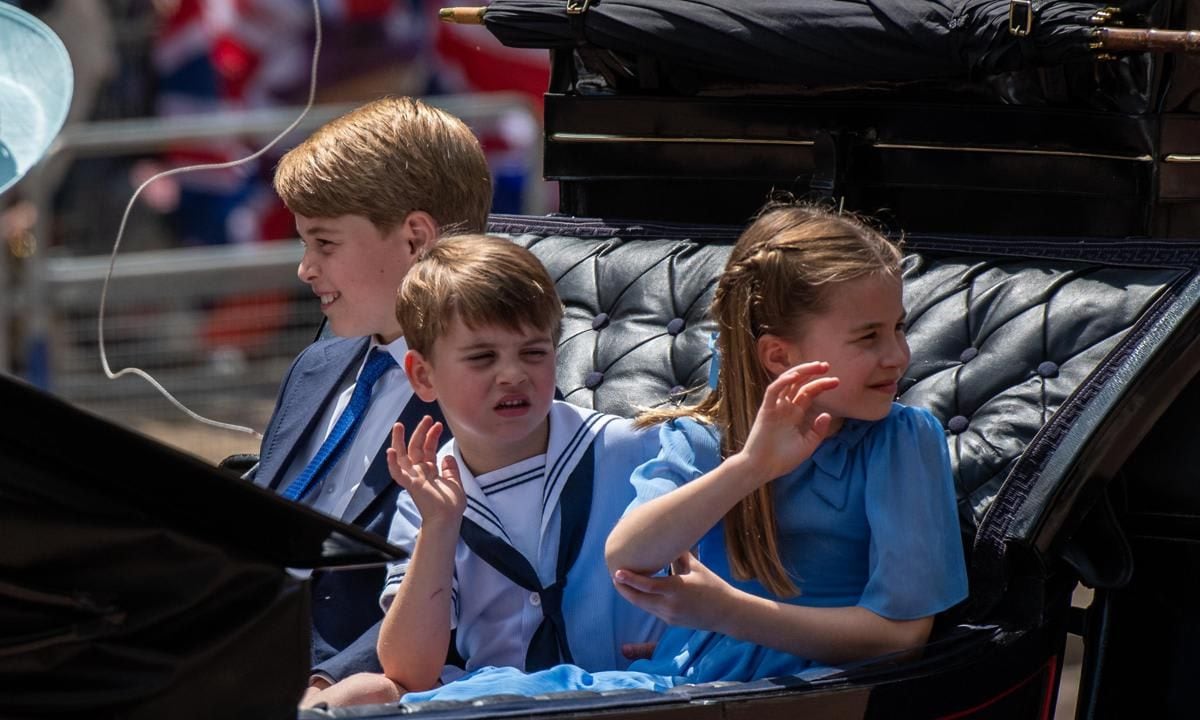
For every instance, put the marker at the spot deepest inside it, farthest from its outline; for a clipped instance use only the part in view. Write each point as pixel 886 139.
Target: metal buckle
pixel 1106 16
pixel 578 7
pixel 1020 17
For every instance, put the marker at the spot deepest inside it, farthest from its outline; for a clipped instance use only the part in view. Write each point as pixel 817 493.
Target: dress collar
pixel 829 480
pixel 831 455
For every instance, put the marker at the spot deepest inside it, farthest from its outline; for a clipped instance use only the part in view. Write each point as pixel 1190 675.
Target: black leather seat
pixel 999 341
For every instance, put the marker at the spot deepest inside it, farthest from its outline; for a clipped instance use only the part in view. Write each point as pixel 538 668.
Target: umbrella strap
pixel 1020 17
pixel 575 12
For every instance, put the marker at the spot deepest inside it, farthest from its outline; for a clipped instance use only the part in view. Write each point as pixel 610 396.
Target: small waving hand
pixel 787 428
pixel 438 494
pixel 692 597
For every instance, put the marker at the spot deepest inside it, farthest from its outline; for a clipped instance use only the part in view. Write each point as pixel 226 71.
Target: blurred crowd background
pixel 171 58
pixel 205 295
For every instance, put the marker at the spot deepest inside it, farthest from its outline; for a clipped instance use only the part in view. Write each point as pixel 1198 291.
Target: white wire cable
pixel 312 92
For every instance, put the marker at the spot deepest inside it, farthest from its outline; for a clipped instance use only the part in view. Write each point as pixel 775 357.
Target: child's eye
pixel 318 243
pixel 536 353
pixel 479 357
pixel 866 338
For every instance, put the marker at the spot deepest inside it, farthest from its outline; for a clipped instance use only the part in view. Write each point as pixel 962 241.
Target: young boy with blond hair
pixel 370 191
pixel 506 523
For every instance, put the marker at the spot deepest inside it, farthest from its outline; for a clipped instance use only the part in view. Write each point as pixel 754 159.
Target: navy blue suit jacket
pixel 345 603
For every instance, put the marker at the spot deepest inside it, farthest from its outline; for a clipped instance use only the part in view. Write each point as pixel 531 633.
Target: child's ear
pixel 775 354
pixel 420 231
pixel 419 373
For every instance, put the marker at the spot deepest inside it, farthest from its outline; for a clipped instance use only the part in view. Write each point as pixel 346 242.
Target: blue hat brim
pixel 36 82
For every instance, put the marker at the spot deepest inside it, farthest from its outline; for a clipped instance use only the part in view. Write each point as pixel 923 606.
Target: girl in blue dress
pixel 806 519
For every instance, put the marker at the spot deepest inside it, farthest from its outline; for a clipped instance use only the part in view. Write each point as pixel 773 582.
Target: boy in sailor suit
pixel 506 524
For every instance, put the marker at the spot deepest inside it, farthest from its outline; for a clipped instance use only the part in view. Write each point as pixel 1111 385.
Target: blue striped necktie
pixel 379 362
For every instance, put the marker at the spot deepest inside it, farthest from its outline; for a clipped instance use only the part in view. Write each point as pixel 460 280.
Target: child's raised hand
pixel 438 495
pixel 692 596
pixel 787 430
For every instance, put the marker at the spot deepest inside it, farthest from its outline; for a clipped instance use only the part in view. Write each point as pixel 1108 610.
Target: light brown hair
pixel 781 272
pixel 385 160
pixel 480 280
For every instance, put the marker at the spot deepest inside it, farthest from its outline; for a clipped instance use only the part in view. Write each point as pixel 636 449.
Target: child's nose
pixel 306 270
pixel 511 373
pixel 898 354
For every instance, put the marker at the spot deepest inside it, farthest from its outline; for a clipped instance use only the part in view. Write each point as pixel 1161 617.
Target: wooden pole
pixel 1112 39
pixel 462 15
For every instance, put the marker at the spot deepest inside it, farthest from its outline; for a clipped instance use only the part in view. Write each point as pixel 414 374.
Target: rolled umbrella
pixel 816 42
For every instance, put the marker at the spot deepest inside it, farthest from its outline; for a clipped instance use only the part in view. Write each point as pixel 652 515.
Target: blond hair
pixel 385 160
pixel 781 272
pixel 480 280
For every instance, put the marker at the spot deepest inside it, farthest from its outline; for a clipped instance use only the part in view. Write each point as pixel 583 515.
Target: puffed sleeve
pixel 916 555
pixel 688 450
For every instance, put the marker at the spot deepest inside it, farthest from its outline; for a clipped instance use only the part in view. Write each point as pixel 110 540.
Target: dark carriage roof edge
pixel 1128 252
pixel 101 456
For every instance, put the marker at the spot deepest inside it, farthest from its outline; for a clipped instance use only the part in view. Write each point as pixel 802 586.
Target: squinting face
pixel 355 270
pixel 494 386
pixel 861 336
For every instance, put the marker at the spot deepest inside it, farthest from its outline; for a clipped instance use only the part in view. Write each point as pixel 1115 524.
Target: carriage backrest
pixel 1009 340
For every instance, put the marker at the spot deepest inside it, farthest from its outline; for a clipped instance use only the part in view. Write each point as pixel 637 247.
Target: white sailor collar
pixel 572 431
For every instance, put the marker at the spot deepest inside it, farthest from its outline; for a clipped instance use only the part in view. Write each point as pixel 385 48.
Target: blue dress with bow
pixel 868 520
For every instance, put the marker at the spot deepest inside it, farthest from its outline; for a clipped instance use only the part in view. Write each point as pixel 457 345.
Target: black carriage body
pixel 1052 225
pixel 1048 424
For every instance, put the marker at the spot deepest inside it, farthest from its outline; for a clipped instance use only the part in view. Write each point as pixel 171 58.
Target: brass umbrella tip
pixel 462 15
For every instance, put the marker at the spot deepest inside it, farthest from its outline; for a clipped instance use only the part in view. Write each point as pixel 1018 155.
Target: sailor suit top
pixel 521 508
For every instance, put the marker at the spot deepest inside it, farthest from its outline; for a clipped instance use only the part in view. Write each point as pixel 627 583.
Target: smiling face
pixel 861 335
pixel 494 386
pixel 354 269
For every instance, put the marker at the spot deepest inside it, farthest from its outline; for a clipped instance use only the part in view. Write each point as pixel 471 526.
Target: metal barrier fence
pixel 217 326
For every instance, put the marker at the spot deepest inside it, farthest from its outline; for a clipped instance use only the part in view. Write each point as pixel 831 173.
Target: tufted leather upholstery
pixel 1000 344
pixel 635 330
pixel 1003 334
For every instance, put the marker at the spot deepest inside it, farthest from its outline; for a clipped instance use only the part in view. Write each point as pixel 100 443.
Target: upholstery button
pixel 675 326
pixel 957 424
pixel 677 390
pixel 535 599
pixel 600 321
pixel 593 379
pixel 968 355
pixel 1048 369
